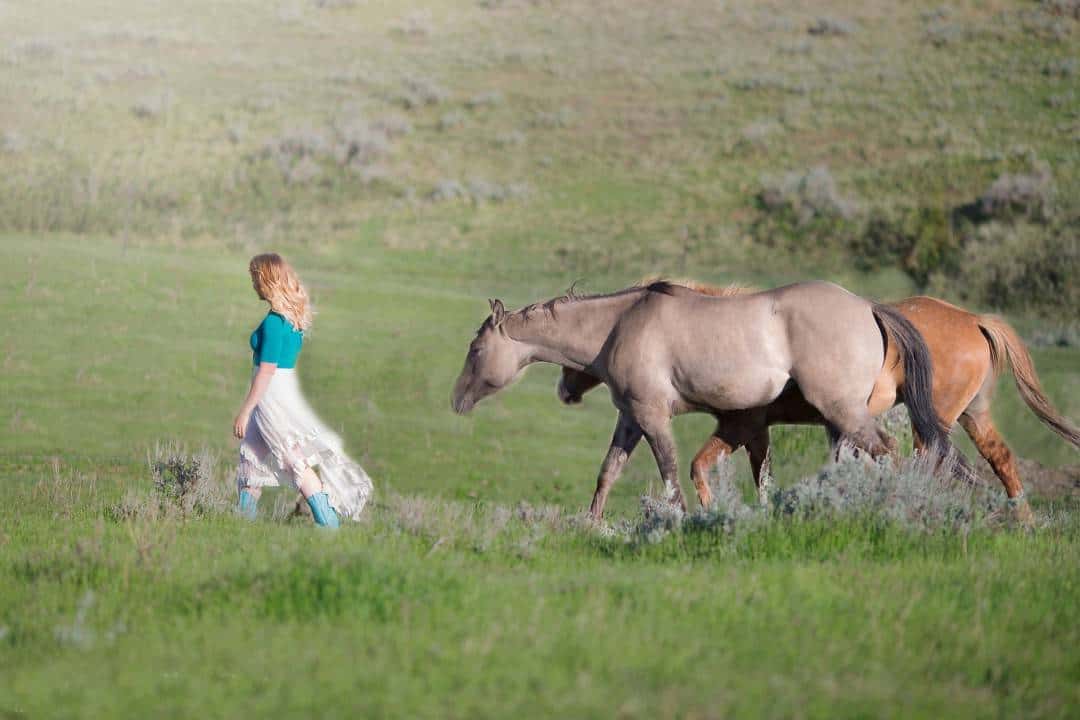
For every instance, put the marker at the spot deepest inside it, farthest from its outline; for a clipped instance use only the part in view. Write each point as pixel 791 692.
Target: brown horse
pixel 664 350
pixel 968 352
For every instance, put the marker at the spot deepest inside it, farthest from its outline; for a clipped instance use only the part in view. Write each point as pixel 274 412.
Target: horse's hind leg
pixel 623 441
pixel 991 445
pixel 706 459
pixel 978 424
pixel 857 426
pixel 760 460
pixel 876 442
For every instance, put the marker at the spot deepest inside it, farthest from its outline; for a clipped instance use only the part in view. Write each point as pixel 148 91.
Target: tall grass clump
pixel 479 527
pixel 183 483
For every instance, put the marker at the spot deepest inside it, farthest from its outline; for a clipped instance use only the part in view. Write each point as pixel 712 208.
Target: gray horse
pixel 664 350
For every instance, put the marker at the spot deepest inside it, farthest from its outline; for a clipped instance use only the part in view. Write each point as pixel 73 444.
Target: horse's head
pixel 573 384
pixel 494 360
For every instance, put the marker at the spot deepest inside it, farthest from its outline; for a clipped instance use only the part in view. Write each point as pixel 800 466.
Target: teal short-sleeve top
pixel 276 341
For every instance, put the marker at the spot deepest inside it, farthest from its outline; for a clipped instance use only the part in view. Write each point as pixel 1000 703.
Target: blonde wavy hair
pixel 278 284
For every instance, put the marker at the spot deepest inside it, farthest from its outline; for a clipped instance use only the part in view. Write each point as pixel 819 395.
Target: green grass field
pixel 413 163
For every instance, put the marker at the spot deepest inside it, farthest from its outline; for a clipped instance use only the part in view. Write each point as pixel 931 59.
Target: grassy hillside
pixel 593 139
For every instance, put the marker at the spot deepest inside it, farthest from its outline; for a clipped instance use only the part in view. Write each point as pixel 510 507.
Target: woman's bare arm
pixel 259 383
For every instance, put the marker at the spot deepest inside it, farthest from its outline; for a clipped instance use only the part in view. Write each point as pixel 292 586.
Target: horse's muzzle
pixel 462 405
pixel 566 396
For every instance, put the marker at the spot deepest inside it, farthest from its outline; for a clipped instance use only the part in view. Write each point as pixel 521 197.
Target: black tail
pixel 918 379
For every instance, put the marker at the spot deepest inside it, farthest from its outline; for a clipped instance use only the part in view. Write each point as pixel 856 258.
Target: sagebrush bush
pixel 1029 195
pixel 477 190
pixel 302 154
pixel 487 99
pixel 302 171
pixel 507 139
pixel 757 134
pixel 1046 21
pixel 152 106
pixel 451 120
pixel 1066 8
pixel 769 81
pixel 941 33
pixel 359 142
pixel 447 190
pixel 393 126
pixel 415 24
pixel 805 196
pixel 420 91
pixel 911 494
pixel 562 118
pixel 832 26
pixel 298 142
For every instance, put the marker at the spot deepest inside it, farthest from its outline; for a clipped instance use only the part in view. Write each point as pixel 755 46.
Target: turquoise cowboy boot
pixel 248 506
pixel 322 512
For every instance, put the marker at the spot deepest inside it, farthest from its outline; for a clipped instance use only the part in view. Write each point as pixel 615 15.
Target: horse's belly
pixel 736 391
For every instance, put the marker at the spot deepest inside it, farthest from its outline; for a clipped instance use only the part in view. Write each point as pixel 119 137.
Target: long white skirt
pixel 284 437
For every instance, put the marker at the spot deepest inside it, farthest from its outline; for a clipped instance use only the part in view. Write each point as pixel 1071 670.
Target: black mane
pixel 570 296
pixel 664 287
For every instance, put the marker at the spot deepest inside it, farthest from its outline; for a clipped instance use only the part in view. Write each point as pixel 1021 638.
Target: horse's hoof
pixel 1021 513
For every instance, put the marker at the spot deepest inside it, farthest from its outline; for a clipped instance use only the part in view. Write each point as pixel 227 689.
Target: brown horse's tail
pixel 1006 346
pixel 918 378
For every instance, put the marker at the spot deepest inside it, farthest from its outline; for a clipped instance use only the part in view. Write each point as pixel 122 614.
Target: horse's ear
pixel 498 312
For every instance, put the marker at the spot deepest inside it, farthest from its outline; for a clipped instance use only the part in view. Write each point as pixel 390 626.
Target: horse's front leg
pixel 623 441
pixel 662 441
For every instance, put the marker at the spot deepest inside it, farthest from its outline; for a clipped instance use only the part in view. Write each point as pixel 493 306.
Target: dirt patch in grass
pixel 1041 481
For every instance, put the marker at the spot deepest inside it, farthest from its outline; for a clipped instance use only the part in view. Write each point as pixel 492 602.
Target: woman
pixel 282 440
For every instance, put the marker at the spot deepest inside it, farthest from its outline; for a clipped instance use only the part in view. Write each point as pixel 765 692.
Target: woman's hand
pixel 240 423
pixel 259 383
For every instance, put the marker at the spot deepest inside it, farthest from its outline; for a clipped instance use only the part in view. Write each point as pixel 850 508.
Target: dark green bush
pixel 920 240
pixel 1022 265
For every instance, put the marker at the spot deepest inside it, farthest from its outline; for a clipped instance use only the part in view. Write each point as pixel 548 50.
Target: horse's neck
pixel 572 335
